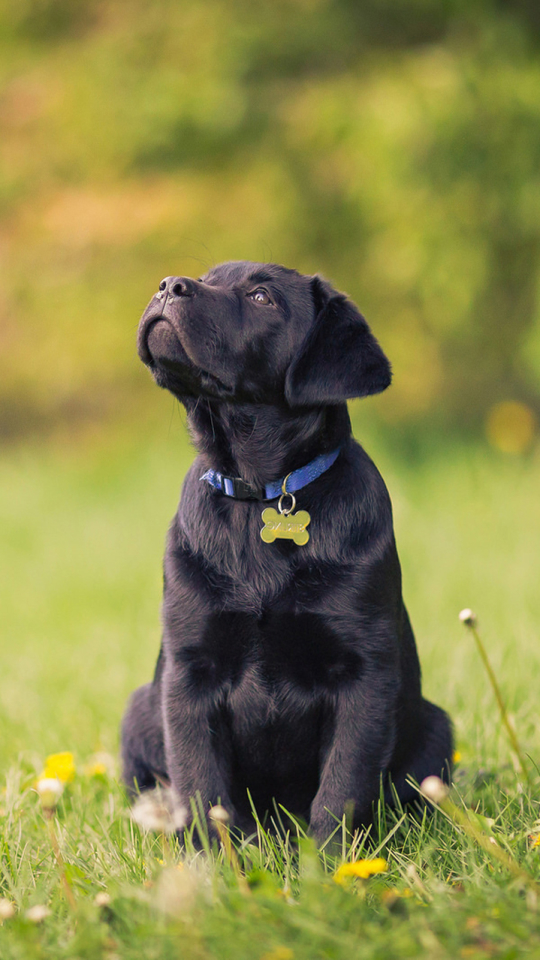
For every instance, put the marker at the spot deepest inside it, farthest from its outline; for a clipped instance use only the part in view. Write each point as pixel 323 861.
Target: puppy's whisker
pixel 211 420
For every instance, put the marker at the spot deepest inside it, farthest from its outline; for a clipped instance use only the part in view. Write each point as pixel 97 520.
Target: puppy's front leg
pixel 358 753
pixel 194 764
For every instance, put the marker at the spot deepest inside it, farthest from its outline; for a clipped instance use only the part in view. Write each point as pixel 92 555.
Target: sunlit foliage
pixel 391 146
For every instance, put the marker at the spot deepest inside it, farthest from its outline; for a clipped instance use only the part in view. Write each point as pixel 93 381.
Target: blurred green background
pixel 391 145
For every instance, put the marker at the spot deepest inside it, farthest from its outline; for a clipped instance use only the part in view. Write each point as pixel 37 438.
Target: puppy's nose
pixel 171 288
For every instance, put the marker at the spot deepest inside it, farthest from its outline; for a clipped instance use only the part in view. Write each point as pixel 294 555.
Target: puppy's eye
pixel 260 296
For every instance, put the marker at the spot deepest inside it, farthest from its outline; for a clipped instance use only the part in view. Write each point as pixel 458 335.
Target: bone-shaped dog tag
pixel 285 526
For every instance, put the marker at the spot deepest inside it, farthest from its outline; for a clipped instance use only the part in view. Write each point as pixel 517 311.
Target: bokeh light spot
pixel 510 426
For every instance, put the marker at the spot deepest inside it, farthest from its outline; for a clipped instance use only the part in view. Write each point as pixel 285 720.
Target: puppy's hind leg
pixel 429 755
pixel 143 754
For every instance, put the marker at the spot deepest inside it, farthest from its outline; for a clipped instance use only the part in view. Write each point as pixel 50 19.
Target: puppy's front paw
pixel 321 824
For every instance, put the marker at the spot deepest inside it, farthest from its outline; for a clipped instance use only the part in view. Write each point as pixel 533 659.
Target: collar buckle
pixel 241 489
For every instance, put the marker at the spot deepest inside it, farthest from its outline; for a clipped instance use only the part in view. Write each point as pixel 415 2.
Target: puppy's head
pixel 259 333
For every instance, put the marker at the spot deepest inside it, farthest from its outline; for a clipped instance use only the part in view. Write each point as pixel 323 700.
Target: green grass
pixel 82 534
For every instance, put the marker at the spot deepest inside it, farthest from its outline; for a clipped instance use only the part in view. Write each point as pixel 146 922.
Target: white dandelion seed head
pixel 219 814
pixel 158 811
pixel 50 790
pixel 468 617
pixel 102 899
pixel 7 909
pixel 38 913
pixel 434 789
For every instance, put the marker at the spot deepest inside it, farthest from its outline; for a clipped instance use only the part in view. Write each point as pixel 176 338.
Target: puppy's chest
pixel 243 655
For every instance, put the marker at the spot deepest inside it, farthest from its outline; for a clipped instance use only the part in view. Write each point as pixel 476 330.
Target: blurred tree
pixel 391 144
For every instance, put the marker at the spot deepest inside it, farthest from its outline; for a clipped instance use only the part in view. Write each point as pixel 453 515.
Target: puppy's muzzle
pixel 172 291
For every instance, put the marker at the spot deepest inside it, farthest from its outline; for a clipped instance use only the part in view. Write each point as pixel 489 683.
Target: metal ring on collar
pixel 286 493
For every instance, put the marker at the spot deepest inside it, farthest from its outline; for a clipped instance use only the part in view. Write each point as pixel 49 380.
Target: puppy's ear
pixel 339 358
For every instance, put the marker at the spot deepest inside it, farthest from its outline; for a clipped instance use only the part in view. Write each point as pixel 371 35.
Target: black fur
pixel 289 671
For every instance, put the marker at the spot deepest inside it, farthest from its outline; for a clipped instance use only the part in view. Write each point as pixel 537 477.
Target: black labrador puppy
pixel 288 666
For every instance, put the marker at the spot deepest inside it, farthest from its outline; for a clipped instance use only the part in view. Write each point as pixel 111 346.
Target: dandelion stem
pixel 220 819
pixel 49 816
pixel 489 844
pixel 437 793
pixel 166 850
pixel 471 624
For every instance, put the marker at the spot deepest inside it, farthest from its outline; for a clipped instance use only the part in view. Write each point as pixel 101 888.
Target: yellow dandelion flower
pixel 392 896
pixel 95 770
pixel 456 757
pixel 59 765
pixel 534 841
pixel 360 868
pixel 100 764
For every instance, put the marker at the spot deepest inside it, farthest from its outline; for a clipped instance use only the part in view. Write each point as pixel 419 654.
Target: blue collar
pixel 241 490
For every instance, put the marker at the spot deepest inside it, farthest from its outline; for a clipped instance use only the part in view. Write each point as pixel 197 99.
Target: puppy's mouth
pixel 159 347
pixel 158 342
